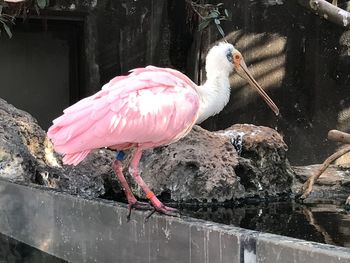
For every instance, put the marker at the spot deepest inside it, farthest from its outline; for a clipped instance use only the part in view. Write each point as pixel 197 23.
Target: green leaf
pixel 37 10
pixel 1 9
pixel 219 4
pixel 221 31
pixel 203 24
pixel 217 21
pixel 7 18
pixel 228 14
pixel 214 14
pixel 8 30
pixel 41 3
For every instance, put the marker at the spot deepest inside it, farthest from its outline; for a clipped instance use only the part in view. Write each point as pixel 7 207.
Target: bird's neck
pixel 214 95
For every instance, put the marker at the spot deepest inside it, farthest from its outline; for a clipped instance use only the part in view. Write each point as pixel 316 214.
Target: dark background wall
pixel 301 60
pixel 39 69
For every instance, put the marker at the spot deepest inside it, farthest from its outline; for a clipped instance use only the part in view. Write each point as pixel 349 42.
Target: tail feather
pixel 75 158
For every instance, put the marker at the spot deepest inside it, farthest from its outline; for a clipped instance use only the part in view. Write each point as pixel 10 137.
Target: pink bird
pixel 148 108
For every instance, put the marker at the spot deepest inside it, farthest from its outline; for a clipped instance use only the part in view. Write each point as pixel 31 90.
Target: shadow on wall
pixel 302 62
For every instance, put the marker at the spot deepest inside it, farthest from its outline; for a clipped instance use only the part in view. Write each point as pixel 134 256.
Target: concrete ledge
pixel 80 230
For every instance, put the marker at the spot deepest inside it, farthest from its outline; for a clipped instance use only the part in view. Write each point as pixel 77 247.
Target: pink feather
pixel 149 107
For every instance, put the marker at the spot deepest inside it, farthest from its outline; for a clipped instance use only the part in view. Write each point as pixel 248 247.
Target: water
pixel 323 223
pixel 13 251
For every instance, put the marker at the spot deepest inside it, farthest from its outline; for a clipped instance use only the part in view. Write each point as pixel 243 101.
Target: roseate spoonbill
pixel 148 108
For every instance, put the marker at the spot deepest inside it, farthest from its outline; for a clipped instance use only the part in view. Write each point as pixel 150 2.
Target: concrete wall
pixel 80 230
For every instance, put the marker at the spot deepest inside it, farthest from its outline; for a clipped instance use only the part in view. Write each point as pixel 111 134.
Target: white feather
pixel 215 93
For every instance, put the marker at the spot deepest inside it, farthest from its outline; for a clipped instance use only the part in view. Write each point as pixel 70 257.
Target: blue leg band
pixel 120 155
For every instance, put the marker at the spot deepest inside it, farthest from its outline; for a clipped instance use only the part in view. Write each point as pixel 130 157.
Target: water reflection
pixel 15 251
pixel 324 223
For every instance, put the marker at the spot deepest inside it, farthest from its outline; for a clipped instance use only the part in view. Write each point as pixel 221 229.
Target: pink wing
pixel 151 106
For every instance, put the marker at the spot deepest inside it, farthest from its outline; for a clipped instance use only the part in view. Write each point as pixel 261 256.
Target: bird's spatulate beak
pixel 243 71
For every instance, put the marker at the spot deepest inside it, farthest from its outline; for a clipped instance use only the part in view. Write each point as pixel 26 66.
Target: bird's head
pixel 225 58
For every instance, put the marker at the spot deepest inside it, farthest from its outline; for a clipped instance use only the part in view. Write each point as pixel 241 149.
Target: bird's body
pixel 148 108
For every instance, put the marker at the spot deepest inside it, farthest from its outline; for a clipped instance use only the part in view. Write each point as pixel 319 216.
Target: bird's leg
pixel 158 205
pixel 132 201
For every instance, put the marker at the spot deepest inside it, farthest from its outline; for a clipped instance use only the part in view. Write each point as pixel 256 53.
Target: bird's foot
pixel 160 207
pixel 166 210
pixel 138 205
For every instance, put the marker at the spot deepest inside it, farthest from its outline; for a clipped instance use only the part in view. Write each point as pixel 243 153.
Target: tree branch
pixel 327 11
pixel 14 1
pixel 307 187
pixel 338 136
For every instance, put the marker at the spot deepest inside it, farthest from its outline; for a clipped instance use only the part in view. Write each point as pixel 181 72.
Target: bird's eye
pixel 229 55
pixel 237 57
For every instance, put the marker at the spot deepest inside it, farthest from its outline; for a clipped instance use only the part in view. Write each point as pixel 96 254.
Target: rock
pixel 198 167
pixel 22 145
pixel 204 166
pixel 27 156
pixel 263 167
pixel 333 185
pixel 90 177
